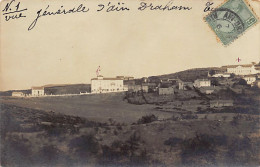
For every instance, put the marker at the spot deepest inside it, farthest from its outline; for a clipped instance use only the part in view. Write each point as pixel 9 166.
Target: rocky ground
pixel 31 137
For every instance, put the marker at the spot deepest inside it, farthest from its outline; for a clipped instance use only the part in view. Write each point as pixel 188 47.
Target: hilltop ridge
pixel 191 74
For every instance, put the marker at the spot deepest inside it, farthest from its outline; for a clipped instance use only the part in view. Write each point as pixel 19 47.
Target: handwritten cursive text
pixel 40 13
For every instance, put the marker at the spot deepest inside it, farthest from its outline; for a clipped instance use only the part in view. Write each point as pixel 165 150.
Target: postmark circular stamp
pixel 231 20
pixel 226 23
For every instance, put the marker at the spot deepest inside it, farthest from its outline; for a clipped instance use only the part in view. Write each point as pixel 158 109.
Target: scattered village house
pixel 250 79
pixel 183 85
pixel 221 103
pixel 166 83
pixel 166 91
pixel 105 85
pixel 226 82
pixel 217 74
pixel 202 83
pixel 18 94
pixel 38 91
pixel 145 88
pixel 148 87
pixel 138 88
pixel 220 75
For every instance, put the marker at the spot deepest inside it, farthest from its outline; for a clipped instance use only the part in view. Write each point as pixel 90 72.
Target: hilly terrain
pixel 192 74
pixel 55 89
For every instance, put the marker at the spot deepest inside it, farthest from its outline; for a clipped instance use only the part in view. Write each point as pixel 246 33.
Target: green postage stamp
pixel 231 19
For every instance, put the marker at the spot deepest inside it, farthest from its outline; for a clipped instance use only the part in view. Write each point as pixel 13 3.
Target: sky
pixel 67 49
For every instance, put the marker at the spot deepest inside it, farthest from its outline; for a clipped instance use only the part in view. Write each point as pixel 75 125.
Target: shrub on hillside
pixel 9 123
pixel 242 152
pixel 189 116
pixel 235 120
pixel 147 119
pixel 125 153
pixel 84 146
pixel 16 151
pixel 199 150
pixel 242 82
pixel 59 129
pixel 50 155
pixel 173 141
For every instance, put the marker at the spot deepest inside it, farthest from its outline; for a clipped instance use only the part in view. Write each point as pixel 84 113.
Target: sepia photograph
pixel 129 83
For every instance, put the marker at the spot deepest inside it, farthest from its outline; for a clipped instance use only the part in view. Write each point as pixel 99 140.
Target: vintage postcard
pixel 129 83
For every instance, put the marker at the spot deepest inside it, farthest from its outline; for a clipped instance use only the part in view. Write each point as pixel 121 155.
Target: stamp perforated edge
pixel 218 39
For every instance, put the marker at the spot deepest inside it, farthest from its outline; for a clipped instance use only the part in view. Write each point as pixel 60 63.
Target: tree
pixel 242 82
pixel 154 79
pixel 215 82
pixel 212 72
pixel 232 75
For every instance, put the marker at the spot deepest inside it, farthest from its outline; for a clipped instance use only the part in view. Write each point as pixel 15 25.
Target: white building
pixel 18 94
pixel 38 91
pixel 105 85
pixel 245 69
pixel 250 79
pixel 221 75
pixel 202 83
pixel 145 88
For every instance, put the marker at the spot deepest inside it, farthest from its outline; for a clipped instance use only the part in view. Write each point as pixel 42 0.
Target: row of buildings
pixel 102 84
pixel 164 87
pixel 35 92
pixel 249 72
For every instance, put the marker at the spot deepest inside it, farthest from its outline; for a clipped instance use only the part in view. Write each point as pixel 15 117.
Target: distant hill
pixel 191 74
pixel 67 89
pixel 55 89
pixel 9 92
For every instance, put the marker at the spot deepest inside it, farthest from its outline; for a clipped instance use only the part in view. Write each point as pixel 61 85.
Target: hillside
pixel 32 137
pixel 9 92
pixel 191 74
pixel 55 89
pixel 67 89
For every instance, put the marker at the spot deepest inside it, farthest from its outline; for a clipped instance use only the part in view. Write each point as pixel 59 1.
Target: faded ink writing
pixel 12 11
pixel 40 13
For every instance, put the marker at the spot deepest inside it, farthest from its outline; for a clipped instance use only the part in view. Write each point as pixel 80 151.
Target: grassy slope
pixel 96 107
